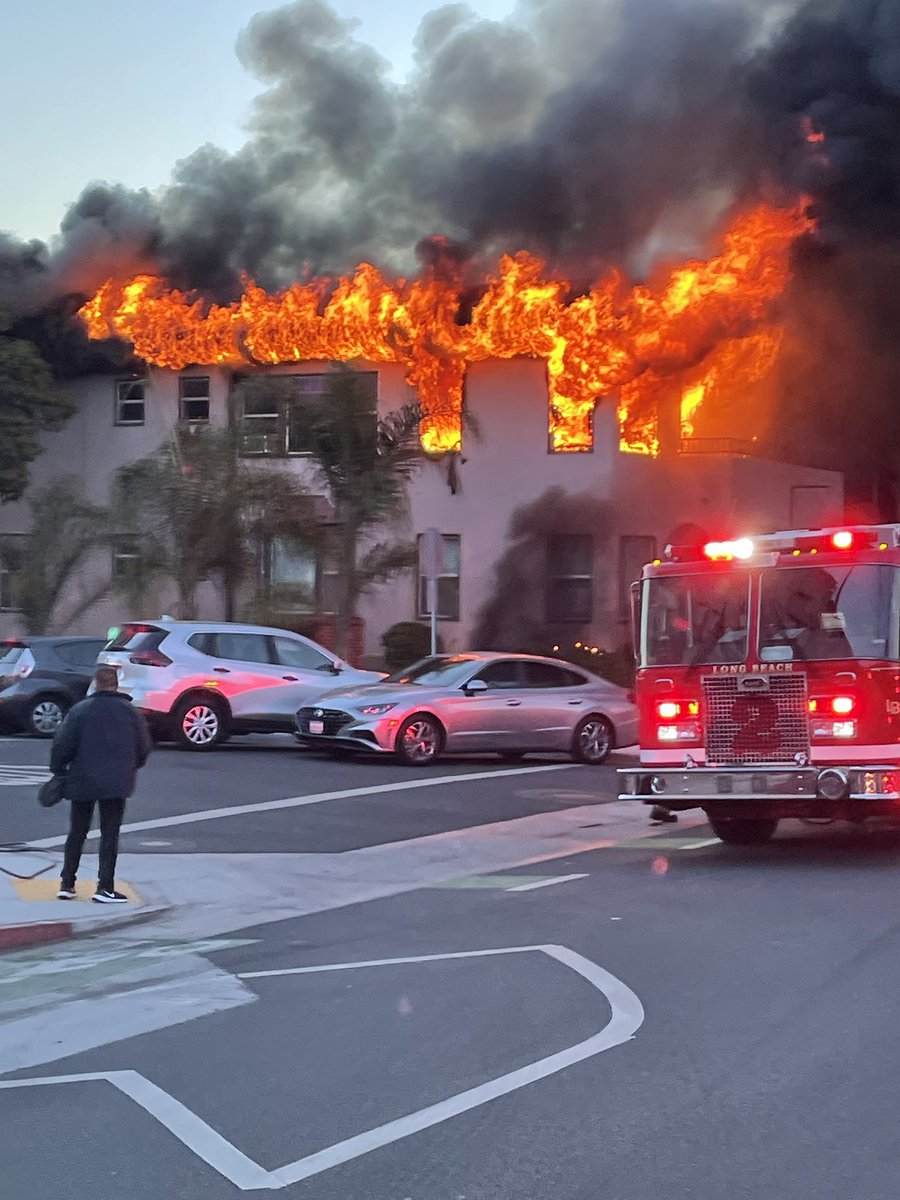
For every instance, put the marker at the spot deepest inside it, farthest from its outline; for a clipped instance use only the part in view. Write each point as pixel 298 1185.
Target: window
pixel 634 554
pixel 570 571
pixel 125 559
pixel 205 643
pixel 545 675
pixel 193 398
pixel 130 395
pixel 503 674
pixel 80 654
pixel 833 612
pixel 9 573
pixel 693 620
pixel 243 647
pixel 276 425
pixel 447 583
pixel 290 652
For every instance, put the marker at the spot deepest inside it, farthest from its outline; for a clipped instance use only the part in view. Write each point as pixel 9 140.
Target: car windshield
pixel 443 671
pixel 10 654
pixel 690 620
pixel 826 612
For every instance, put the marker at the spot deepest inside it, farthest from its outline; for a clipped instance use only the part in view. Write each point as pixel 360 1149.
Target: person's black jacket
pixel 99 748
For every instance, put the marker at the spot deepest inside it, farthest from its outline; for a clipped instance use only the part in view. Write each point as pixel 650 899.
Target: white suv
pixel 198 682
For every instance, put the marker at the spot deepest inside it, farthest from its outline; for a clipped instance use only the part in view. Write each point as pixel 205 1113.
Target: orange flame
pixel 703 329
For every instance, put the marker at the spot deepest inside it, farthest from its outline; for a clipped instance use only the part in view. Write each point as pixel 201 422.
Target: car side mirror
pixel 474 686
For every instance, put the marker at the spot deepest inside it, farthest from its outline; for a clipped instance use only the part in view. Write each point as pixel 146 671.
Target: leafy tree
pixel 65 530
pixel 366 463
pixel 30 405
pixel 196 510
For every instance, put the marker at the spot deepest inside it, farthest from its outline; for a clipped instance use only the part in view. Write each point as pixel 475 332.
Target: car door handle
pixel 513 703
pixel 290 678
pixel 222 670
pixel 576 702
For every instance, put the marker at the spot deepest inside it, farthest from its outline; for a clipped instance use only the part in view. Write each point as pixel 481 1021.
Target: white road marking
pixel 714 841
pixel 242 810
pixel 626 1017
pixel 542 883
pixel 16 776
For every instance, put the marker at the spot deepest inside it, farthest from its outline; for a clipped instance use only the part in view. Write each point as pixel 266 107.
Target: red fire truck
pixel 769 679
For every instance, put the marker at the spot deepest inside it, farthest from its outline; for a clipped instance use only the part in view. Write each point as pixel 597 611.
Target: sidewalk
pixel 31 915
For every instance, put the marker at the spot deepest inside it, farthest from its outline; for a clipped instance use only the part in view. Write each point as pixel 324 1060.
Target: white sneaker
pixel 109 898
pixel 65 893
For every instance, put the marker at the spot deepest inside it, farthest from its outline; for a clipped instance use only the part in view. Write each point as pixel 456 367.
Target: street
pixel 627 1012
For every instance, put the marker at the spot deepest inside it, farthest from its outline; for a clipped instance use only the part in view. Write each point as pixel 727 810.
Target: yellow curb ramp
pixel 46 889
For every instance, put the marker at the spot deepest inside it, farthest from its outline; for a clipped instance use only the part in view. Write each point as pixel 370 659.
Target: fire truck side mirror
pixel 636 620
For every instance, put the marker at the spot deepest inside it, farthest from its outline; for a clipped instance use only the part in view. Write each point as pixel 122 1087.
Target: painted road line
pixel 16 776
pixel 542 883
pixel 713 841
pixel 474 882
pixel 626 1017
pixel 243 810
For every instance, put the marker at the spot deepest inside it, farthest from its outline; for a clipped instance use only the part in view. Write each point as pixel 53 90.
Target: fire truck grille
pixel 755 718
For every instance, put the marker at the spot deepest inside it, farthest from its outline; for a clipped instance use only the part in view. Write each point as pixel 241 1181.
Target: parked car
pixel 510 704
pixel 198 682
pixel 41 678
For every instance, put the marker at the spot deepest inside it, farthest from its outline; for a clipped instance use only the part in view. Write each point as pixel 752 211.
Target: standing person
pixel 98 749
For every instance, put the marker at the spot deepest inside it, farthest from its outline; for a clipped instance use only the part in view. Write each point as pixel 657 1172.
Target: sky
pixel 120 90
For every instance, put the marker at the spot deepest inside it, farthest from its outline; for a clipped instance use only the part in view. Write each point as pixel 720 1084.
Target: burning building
pixel 648 207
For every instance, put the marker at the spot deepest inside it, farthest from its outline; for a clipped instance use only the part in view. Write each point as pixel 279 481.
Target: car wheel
pixel 199 724
pixel 592 741
pixel 419 740
pixel 45 716
pixel 741 831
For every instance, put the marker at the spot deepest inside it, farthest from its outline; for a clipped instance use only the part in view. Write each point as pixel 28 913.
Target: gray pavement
pixel 478 1062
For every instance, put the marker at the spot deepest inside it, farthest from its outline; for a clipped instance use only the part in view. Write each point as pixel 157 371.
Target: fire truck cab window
pixel 826 612
pixel 691 620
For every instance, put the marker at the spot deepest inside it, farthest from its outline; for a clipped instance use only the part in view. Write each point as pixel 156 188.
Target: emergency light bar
pixel 795 542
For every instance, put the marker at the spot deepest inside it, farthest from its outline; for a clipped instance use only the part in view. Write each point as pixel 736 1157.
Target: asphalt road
pixel 759 986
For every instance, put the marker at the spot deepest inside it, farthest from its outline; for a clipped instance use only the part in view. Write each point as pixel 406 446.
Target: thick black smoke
pixel 589 130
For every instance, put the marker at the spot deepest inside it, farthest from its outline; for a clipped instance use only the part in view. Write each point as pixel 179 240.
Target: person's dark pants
pixel 111 813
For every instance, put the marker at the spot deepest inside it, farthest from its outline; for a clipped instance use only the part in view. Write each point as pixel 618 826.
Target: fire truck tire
pixel 740 831
pixel 593 740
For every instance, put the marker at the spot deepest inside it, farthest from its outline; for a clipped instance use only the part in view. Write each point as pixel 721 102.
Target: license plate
pixel 317 727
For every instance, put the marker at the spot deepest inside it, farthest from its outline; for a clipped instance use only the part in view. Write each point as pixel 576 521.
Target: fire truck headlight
pixel 834 729
pixel 684 731
pixel 833 784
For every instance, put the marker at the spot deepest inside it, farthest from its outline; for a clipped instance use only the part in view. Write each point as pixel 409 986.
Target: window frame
pixel 119 400
pixel 624 582
pixel 119 556
pixel 184 400
pixel 282 409
pixel 8 576
pixel 422 612
pixel 554 617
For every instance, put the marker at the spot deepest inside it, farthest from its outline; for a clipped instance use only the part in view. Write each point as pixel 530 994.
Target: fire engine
pixel 768 679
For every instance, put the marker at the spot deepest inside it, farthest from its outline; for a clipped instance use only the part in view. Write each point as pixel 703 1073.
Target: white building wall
pixel 506 478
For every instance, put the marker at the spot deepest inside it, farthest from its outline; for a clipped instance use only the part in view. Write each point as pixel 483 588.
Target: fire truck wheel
pixel 593 741
pixel 739 831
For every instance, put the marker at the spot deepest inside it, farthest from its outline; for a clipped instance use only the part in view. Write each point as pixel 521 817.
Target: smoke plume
pixel 592 131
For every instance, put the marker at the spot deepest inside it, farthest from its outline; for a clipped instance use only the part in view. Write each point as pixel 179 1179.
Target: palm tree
pixel 197 510
pixel 366 463
pixel 65 530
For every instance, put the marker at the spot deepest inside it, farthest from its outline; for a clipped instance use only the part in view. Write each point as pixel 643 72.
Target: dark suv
pixel 42 677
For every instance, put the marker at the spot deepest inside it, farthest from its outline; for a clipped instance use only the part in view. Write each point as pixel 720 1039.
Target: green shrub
pixel 405 643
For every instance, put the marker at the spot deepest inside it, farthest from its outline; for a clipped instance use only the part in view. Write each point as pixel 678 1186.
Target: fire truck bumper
pixel 836 791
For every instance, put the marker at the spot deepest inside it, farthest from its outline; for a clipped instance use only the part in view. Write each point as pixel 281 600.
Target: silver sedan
pixel 507 704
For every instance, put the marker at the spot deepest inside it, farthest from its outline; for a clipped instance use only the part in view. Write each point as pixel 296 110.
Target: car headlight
pixel 376 710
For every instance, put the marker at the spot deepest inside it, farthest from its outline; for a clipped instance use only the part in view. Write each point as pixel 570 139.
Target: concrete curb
pixel 25 935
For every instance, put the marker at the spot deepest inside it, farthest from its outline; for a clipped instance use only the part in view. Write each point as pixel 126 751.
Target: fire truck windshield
pixel 830 612
pixel 689 620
